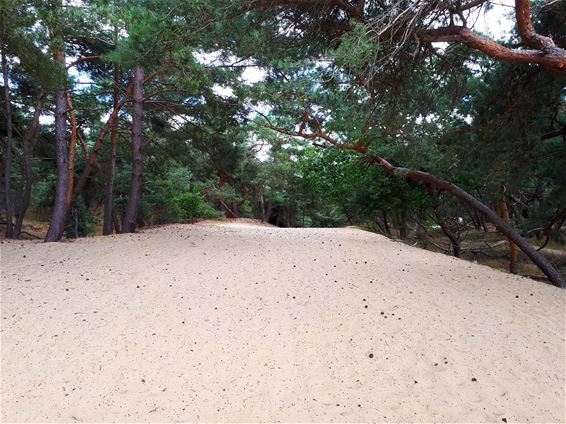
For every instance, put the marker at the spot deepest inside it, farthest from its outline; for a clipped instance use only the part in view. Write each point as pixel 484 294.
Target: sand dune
pixel 246 323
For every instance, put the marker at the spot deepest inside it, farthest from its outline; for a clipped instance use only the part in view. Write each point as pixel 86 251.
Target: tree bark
pixel 453 238
pixel 386 223
pixel 130 217
pixel 544 265
pixel 268 212
pixel 116 222
pixel 552 57
pixel 109 196
pixel 8 155
pixel 59 214
pixel 513 252
pixel 262 206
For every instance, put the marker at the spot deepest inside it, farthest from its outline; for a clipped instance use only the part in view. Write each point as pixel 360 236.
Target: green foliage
pixel 192 205
pixel 356 50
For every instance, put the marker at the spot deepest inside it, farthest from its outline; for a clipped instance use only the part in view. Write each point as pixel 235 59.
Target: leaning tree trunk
pixel 545 266
pixel 59 214
pixel 130 217
pixel 8 155
pixel 107 225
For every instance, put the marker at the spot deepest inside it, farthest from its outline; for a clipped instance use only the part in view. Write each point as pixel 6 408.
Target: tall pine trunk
pixel 108 225
pixel 59 213
pixel 8 155
pixel 130 217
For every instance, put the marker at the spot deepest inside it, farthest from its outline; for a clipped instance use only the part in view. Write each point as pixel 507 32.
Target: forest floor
pixel 240 322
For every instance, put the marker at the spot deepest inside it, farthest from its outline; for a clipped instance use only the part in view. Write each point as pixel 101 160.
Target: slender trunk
pixel 386 223
pixel 482 221
pixel 262 206
pixel 59 214
pixel 108 201
pixel 513 252
pixel 72 150
pixel 348 217
pixel 116 222
pixel 378 223
pixel 235 210
pixel 268 212
pixel 8 155
pixel 130 217
pixel 544 265
pixel 402 226
pixel 453 238
pixel 28 142
pixel 474 219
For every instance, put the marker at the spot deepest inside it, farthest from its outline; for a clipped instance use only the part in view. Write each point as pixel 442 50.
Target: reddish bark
pixel 59 213
pixel 553 57
pixel 130 217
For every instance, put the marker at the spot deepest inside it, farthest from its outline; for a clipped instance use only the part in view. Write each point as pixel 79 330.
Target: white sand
pixel 241 323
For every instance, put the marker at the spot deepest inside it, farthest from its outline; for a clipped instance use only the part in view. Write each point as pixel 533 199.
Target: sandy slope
pixel 243 323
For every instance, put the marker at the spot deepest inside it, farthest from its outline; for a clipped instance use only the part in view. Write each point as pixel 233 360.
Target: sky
pixel 498 21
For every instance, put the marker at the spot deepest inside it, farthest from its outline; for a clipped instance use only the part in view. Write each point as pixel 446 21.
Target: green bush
pixel 192 205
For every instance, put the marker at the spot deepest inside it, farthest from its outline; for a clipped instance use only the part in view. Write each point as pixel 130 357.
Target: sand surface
pixel 235 322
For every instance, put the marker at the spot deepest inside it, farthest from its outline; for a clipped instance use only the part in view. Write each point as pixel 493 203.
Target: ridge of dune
pixel 234 322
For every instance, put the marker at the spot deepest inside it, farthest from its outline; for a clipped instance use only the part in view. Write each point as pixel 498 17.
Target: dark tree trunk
pixel 262 206
pixel 386 223
pixel 348 217
pixel 130 217
pixel 402 226
pixel 268 212
pixel 377 222
pixel 28 142
pixel 109 200
pixel 235 210
pixel 513 252
pixel 474 218
pixel 544 265
pixel 116 222
pixel 59 214
pixel 454 240
pixel 8 155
